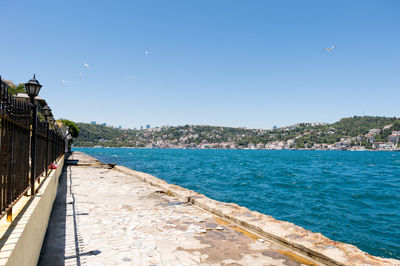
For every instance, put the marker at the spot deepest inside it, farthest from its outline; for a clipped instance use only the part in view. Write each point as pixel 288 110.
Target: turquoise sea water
pixel 352 197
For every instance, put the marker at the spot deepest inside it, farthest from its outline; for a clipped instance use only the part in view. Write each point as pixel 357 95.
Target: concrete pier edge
pixel 309 243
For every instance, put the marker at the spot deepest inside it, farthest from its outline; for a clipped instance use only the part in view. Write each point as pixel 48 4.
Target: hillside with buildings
pixel 355 133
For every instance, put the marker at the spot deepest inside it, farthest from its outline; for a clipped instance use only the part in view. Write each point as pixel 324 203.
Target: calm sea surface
pixel 352 197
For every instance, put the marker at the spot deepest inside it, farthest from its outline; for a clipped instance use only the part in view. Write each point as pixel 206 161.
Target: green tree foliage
pixel 396 125
pixel 360 125
pixel 16 89
pixel 72 127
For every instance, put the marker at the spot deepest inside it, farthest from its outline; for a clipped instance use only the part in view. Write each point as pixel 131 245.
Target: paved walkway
pixel 104 217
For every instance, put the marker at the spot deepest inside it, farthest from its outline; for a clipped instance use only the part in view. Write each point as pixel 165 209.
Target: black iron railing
pixel 15 148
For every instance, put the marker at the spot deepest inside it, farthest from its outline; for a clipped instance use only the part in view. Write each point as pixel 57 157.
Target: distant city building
pixel 147 126
pixel 251 146
pixel 260 146
pixel 120 127
pixel 134 128
pixel 104 124
pixel 370 138
pixel 381 146
pixel 274 127
pixel 141 127
pixel 394 138
pixel 93 122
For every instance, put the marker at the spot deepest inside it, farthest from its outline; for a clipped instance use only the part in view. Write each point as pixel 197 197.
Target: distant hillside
pixel 301 135
pixel 360 125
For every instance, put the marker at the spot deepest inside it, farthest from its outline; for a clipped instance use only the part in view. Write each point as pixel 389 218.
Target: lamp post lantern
pixel 46 111
pixel 32 88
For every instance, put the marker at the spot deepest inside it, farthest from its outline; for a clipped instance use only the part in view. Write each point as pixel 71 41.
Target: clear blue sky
pixel 232 63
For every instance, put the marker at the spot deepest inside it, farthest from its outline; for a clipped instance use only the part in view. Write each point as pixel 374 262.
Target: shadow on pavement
pixel 53 248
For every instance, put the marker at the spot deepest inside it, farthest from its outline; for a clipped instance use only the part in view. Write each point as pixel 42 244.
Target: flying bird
pixel 329 49
pixel 146 52
pixel 86 65
pixel 130 76
pixel 81 74
pixel 64 81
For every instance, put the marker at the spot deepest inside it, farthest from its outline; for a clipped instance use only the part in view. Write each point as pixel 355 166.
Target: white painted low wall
pixel 21 241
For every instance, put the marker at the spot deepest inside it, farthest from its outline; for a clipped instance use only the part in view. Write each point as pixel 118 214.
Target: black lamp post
pixel 46 111
pixel 32 88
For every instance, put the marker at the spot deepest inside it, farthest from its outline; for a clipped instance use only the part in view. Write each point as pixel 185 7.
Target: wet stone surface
pixel 104 217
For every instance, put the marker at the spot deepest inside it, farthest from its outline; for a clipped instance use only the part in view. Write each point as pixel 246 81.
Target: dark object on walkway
pixel 71 162
pixel 111 165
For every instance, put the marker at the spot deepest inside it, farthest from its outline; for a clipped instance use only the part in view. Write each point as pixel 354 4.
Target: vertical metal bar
pixel 33 147
pixel 28 121
pixel 47 148
pixel 54 145
pixel 7 142
pixel 12 157
pixel 2 156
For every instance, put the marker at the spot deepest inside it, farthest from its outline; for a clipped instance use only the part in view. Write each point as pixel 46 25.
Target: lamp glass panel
pixel 37 89
pixel 46 111
pixel 28 88
pixel 32 90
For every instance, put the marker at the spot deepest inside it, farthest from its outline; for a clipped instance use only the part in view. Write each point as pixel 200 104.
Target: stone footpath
pixel 104 217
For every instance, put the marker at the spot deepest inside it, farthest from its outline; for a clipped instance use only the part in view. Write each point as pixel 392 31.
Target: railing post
pixel 54 145
pixel 33 146
pixel 47 148
pixel 11 192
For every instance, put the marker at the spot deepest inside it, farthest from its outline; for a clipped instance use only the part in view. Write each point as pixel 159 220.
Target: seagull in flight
pixel 329 49
pixel 146 52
